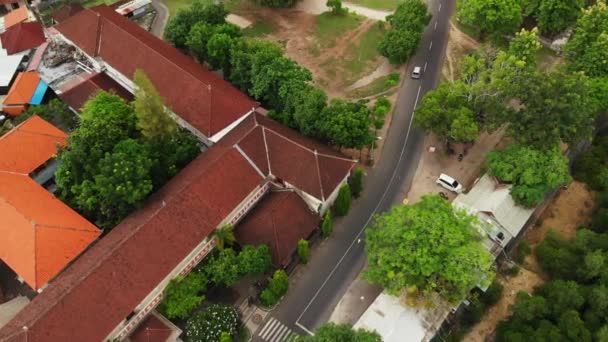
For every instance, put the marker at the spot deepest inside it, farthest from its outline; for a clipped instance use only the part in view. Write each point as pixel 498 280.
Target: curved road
pixel 337 262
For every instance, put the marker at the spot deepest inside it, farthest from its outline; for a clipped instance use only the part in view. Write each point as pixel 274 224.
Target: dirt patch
pixel 459 44
pixel 524 281
pixel 294 30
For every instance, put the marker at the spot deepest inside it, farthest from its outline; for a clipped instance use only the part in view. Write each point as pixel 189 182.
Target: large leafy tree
pixel 491 17
pixel 554 16
pixel 331 332
pixel 532 172
pixel 406 26
pixel 105 121
pixel 346 124
pixel 586 49
pixel 218 52
pixel 179 25
pixel 153 119
pixel 184 294
pixel 121 183
pixel 556 107
pixel 428 247
pixel 244 54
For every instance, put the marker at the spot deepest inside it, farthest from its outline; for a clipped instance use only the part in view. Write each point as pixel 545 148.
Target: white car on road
pixel 449 183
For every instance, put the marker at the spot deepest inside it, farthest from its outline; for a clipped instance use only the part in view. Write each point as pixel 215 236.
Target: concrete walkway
pixel 162 16
pixel 317 7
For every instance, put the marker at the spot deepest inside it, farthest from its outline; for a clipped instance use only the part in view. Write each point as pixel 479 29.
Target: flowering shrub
pixel 209 324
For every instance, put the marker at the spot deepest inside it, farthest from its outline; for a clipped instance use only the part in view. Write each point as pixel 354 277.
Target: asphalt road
pixel 338 261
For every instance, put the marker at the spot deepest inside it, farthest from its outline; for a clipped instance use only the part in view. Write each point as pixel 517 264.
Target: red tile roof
pixel 16 16
pixel 279 221
pixel 103 286
pixel 23 88
pixel 197 95
pixel 65 12
pixel 76 96
pixel 21 37
pixel 40 234
pixel 151 330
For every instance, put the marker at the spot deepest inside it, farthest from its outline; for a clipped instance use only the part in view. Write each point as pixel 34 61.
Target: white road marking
pixel 371 216
pixel 439 7
pixel 431 46
pixel 424 67
pixel 435 29
pixel 275 331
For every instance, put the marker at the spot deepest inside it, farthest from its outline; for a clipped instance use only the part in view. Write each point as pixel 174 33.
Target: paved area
pixel 314 293
pixel 275 331
pixel 317 7
pixel 238 21
pixel 162 16
pixel 359 296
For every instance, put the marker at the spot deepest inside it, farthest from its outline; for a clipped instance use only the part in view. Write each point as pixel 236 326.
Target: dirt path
pixel 317 7
pixel 459 44
pixel 568 211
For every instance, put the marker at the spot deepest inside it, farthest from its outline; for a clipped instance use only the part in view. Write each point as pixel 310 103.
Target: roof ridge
pixel 249 160
pixel 319 176
pixel 41 225
pixel 306 148
pixel 266 149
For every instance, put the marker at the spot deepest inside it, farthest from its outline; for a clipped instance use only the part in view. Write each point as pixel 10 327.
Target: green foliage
pixel 224 236
pixel 356 182
pixel 591 168
pixel 56 111
pixel 554 16
pixel 406 26
pixel 491 17
pixel 378 113
pixel 586 49
pixel 532 172
pixel 449 258
pixel 213 43
pixel 224 269
pixel 336 7
pixel 277 288
pixel 492 294
pixel 178 28
pixel 346 124
pixel 183 294
pixel 513 271
pixel 218 50
pixel 331 332
pixel 303 251
pixel 254 260
pixel 523 250
pixel 327 226
pixel 225 337
pixel 393 79
pixel 342 205
pixel 211 323
pixel 153 119
pixel 276 3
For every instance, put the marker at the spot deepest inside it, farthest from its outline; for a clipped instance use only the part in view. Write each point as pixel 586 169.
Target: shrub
pixel 211 323
pixel 327 226
pixel 336 7
pixel 513 271
pixel 225 337
pixel 356 182
pixel 303 251
pixel 473 313
pixel 279 283
pixel 183 294
pixel 393 79
pixel 268 298
pixel 492 294
pixel 602 199
pixel 343 201
pixel 599 220
pixel 523 250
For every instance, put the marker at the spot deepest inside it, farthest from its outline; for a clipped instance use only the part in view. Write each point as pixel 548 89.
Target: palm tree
pixel 224 236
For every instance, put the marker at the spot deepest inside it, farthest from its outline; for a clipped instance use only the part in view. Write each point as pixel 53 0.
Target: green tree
pixel 356 182
pixel 343 200
pixel 253 260
pixel 55 111
pixel 303 251
pixel 224 236
pixel 331 332
pixel 346 124
pixel 532 172
pixel 562 295
pixel 153 119
pixel 529 308
pixel 218 51
pixel 302 104
pixel 491 17
pixel 279 284
pixel 179 26
pixel 120 185
pixel 336 7
pixel 586 48
pixel 428 247
pixel 183 294
pixel 225 337
pixel 406 26
pixel 554 16
pixel 197 39
pixel 327 226
pixel 211 323
pixel 224 268
pixel 524 47
pixel 555 108
pixel 571 324
pixel 243 56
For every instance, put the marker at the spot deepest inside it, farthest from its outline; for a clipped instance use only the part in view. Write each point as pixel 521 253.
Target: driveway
pixel 336 263
pixel 162 16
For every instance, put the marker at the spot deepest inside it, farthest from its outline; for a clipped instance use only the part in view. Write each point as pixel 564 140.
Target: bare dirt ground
pixel 459 44
pixel 568 211
pixel 294 30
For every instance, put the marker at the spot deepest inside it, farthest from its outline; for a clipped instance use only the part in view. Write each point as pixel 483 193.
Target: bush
pixel 602 199
pixel 327 226
pixel 356 182
pixel 268 298
pixel 303 251
pixel 492 294
pixel 599 220
pixel 209 324
pixel 393 80
pixel 336 7
pixel 343 201
pixel 513 271
pixel 183 294
pixel 523 250
pixel 473 313
pixel 279 283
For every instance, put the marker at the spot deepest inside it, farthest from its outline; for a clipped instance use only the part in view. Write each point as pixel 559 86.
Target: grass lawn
pixel 387 5
pixel 174 5
pixel 91 3
pixel 359 56
pixel 328 27
pixel 377 86
pixel 259 29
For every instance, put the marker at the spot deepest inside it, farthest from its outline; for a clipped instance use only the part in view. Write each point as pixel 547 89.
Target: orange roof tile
pixel 40 234
pixel 15 17
pixel 22 90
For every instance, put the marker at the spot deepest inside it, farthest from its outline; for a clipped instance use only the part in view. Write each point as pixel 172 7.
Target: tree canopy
pixel 532 172
pixel 179 26
pixel 153 119
pixel 586 49
pixel 428 247
pixel 331 332
pixel 555 16
pixel 491 17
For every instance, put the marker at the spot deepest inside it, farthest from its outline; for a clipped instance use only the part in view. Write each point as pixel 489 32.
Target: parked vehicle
pixel 417 72
pixel 449 183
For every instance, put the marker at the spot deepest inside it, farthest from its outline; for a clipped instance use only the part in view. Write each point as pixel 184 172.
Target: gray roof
pixel 494 200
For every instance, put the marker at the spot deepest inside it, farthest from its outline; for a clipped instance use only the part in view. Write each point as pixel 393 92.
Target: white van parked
pixel 449 183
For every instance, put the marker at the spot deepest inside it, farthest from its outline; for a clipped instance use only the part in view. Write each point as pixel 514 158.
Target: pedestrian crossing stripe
pixel 275 331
